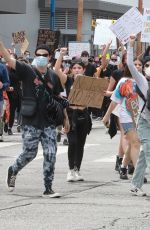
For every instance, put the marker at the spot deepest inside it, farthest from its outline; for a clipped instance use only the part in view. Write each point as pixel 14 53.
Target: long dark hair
pixel 127 72
pixel 77 61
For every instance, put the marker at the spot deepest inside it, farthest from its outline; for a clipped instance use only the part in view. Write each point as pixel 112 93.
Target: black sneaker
pixel 65 142
pixel 123 174
pixel 118 163
pixel 130 169
pixel 5 127
pixel 10 132
pixel 11 179
pixel 145 180
pixel 58 137
pixel 18 128
pixel 50 193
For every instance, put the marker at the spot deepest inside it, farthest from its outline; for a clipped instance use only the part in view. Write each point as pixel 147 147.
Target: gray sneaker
pixel 11 178
pixel 49 193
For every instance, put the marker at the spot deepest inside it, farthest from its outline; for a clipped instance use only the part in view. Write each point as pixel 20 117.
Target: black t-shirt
pixel 105 73
pixel 108 71
pixel 16 93
pixel 117 75
pixel 90 69
pixel 31 84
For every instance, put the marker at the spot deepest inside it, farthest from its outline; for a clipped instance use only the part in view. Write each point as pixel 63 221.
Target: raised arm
pixel 139 78
pixel 103 60
pixel 5 54
pixel 62 76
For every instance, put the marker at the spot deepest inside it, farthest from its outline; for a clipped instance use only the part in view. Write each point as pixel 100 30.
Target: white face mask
pixel 41 61
pixel 147 71
pixel 85 59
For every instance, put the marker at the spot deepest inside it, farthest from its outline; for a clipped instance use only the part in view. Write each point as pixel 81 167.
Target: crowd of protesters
pixel 44 76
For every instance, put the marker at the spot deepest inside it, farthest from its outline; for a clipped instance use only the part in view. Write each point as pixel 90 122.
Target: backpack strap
pixel 139 92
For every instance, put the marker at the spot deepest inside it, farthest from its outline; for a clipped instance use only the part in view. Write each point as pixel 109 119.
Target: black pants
pixel 15 103
pixel 76 139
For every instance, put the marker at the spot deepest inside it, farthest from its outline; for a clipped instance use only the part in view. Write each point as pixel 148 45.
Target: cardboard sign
pixel 145 35
pixel 129 23
pixel 24 46
pixel 76 48
pixel 18 37
pixel 103 34
pixel 88 91
pixel 48 37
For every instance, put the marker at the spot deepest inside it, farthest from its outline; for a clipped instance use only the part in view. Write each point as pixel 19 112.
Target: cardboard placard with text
pixel 145 35
pixel 18 37
pixel 88 91
pixel 129 23
pixel 24 46
pixel 48 37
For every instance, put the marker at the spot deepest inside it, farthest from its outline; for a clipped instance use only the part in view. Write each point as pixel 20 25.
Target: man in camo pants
pixel 38 126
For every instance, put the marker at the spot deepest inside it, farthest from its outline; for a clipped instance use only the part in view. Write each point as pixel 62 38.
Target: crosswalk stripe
pixel 110 159
pixel 7 144
pixel 60 150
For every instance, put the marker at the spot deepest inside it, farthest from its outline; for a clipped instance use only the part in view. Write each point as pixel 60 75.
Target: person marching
pixel 125 94
pixel 80 121
pixel 143 121
pixel 38 124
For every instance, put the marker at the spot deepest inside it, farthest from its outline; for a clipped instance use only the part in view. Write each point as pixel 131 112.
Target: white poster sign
pixel 103 34
pixel 145 35
pixel 76 48
pixel 130 23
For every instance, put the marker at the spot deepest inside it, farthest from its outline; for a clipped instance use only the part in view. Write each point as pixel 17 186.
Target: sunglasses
pixel 43 55
pixel 147 65
pixel 112 59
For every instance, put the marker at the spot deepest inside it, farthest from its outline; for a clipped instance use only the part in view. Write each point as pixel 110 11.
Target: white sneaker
pixel 78 176
pixel 71 176
pixel 137 192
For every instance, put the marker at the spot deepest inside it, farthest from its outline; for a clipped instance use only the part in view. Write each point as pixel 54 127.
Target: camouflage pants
pixel 31 137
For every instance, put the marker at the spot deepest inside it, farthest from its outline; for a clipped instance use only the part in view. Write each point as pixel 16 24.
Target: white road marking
pixel 7 144
pixel 60 150
pixel 110 159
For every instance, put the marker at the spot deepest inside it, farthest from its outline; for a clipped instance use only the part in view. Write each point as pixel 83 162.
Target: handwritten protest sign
pixel 88 91
pixel 18 37
pixel 145 35
pixel 48 37
pixel 130 23
pixel 76 48
pixel 103 34
pixel 24 46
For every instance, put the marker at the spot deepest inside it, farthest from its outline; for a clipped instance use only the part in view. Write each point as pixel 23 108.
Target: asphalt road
pixel 102 201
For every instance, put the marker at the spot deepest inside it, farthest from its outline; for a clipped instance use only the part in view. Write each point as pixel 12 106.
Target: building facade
pixel 13 7
pixel 38 16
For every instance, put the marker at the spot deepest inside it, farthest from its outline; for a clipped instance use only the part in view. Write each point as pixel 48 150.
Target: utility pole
pixel 139 44
pixel 79 20
pixel 52 14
